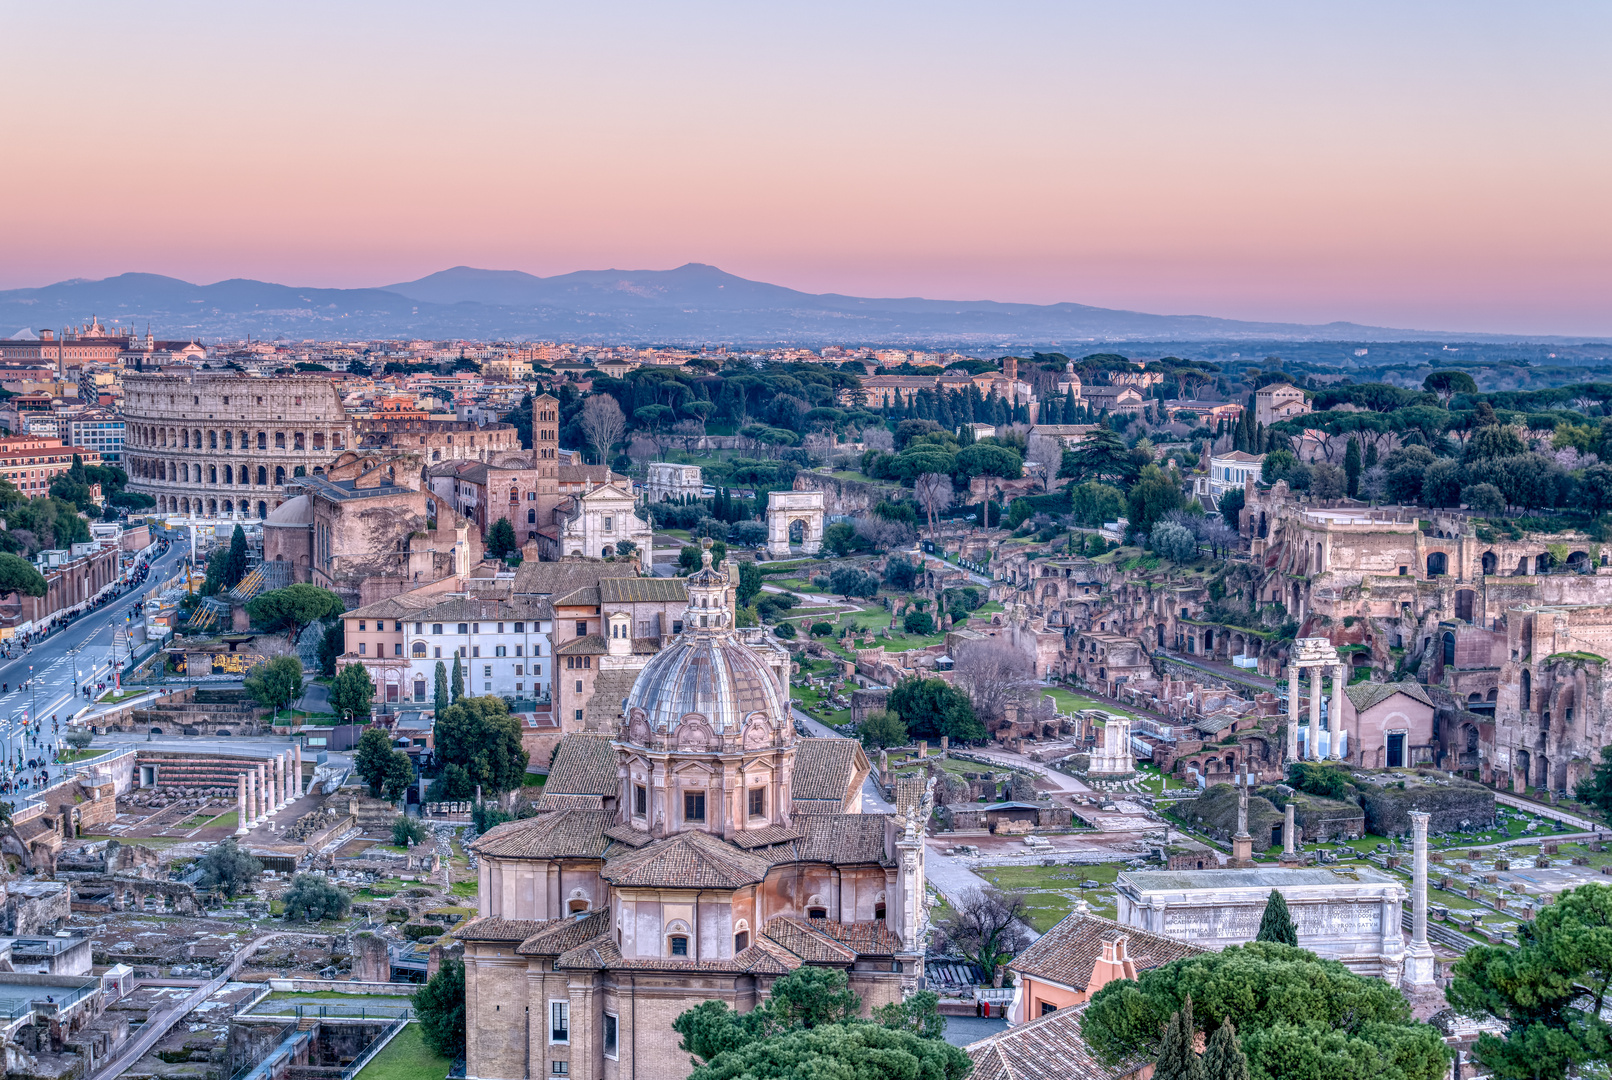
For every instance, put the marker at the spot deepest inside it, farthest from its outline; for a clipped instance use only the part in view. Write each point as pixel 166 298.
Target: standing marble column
pixel 1335 711
pixel 251 797
pixel 1420 966
pixel 1313 751
pixel 1293 685
pixel 262 791
pixel 240 804
pixel 277 767
pixel 1242 845
pixel 1288 826
pixel 296 770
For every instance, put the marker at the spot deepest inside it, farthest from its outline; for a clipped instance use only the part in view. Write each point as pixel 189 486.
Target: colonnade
pixel 267 787
pixel 1317 655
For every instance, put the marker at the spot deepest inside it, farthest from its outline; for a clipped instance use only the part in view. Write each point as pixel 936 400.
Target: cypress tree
pixel 439 689
pixel 1223 1059
pixel 458 678
pixel 1069 406
pixel 1276 924
pixel 1351 466
pixel 1178 1057
pixel 1371 456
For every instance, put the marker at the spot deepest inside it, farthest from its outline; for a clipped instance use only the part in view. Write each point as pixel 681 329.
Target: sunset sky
pixel 1440 166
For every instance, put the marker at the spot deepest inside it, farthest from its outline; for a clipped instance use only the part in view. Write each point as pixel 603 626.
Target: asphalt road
pixel 60 664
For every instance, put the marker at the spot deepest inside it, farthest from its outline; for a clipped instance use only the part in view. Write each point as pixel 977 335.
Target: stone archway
pixel 784 508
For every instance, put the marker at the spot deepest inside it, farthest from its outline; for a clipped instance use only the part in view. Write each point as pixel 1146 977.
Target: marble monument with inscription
pixel 1351 915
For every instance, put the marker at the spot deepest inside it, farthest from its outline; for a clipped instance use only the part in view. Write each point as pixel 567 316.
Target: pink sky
pixel 1445 166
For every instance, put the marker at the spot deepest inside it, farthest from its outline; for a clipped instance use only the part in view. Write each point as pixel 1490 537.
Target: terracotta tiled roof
pixel 586 596
pixel 871 938
pixel 799 937
pixel 575 834
pixel 563 935
pixel 639 590
pixel 628 835
pixel 828 769
pixel 1047 1048
pixel 559 578
pixel 772 834
pixel 1365 695
pixel 841 838
pixel 558 801
pixel 589 644
pixel 496 929
pixel 584 764
pixel 689 860
pixel 1066 953
pixel 759 959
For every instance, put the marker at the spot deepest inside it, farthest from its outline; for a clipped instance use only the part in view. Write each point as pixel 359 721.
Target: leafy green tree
pixel 1446 384
pixel 1154 495
pixel 458 684
pixel 749 582
pixel 439 689
pixel 881 728
pixel 919 1014
pixel 398 775
pixel 862 1051
pixel 840 539
pixel 440 1008
pixel 1174 542
pixel 1595 489
pixel 822 629
pixel 407 830
pixel 1298 1016
pixel 314 898
pixel 1093 503
pixel 1487 499
pixel 277 683
pixel 848 581
pixel 294 607
pixel 1101 455
pixel 810 997
pixel 372 758
pixel 785 630
pixel 690 558
pixel 235 561
pixel 17 575
pixel 1231 506
pixel 213 583
pixel 1223 1059
pixel 933 707
pixel 1549 990
pixel 351 693
pixel 1276 924
pixel 1493 441
pixel 1178 1053
pixel 919 623
pixel 228 868
pixel 479 735
pixel 901 573
pixel 501 539
pixel 453 785
pixel 331 646
pixel 1351 467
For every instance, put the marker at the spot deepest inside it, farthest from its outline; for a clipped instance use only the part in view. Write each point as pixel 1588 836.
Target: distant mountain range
pixel 693 304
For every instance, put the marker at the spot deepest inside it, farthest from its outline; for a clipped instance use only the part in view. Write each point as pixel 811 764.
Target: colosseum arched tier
pixel 227 445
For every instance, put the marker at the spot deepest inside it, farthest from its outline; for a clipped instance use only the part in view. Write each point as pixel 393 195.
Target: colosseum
pixel 224 445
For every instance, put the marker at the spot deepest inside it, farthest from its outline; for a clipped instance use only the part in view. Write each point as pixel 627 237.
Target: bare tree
pixel 690 432
pixel 995 673
pixel 884 535
pixel 878 438
pixel 986 925
pixel 603 423
pixel 934 491
pixel 1220 536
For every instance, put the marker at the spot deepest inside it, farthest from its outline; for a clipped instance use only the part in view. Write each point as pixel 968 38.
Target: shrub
pixel 406 829
pixel 784 630
pixel 919 622
pixel 822 629
pixel 313 898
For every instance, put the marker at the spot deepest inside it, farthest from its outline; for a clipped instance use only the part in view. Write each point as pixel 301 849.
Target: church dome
pixel 705 675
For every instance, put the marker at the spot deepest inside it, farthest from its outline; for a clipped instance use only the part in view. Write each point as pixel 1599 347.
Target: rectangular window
pixel 517 650
pixel 417 627
pixel 486 671
pixel 579 716
pixel 537 669
pixel 361 625
pixel 582 628
pixel 464 628
pixel 560 1068
pixel 758 802
pixel 397 648
pixel 475 650
pixel 500 628
pixel 693 806
pixel 609 1035
pixel 436 628
pixel 498 650
pixel 487 686
pixel 559 1021
pixel 519 670
pixel 520 628
pixel 640 800
pixel 610 523
pixel 361 648
pixel 579 686
pixel 438 652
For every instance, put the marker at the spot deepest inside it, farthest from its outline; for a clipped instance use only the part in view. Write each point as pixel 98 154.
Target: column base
pixel 242 829
pixel 1421 968
pixel 1242 851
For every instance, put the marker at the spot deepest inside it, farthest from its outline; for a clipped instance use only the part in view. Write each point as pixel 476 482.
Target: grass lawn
pixel 1158 784
pixel 305 995
pixel 1052 889
pixel 676 534
pixel 808 699
pixel 221 820
pixel 70 756
pixel 533 779
pixel 990 607
pixel 1068 702
pixel 464 888
pixel 406 1057
pixel 113 699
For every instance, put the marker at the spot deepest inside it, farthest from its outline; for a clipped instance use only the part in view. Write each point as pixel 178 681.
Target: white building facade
pixel 503 646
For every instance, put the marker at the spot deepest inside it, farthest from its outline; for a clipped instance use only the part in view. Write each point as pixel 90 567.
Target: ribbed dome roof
pixel 709 672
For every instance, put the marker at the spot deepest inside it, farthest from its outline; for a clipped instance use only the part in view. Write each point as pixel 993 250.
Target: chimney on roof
pixel 1114 964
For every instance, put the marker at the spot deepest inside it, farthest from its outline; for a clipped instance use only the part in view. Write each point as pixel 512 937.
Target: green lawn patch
pixel 1053 889
pixel 406 1057
pixel 533 779
pixel 1068 701
pixel 464 888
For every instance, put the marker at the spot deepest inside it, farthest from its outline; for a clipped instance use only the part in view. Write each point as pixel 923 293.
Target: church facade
pixel 698 852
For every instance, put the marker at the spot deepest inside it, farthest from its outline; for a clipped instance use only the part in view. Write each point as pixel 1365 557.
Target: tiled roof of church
pixel 1049 1047
pixel 1066 953
pixel 584 764
pixel 841 838
pixel 628 835
pixel 772 834
pixel 629 590
pixel 496 929
pixel 762 958
pixel 871 938
pixel 575 834
pixel 812 946
pixel 563 935
pixel 1365 695
pixel 689 860
pixel 825 769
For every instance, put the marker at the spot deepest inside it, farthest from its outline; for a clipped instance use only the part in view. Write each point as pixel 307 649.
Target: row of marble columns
pixel 267 788
pixel 1312 749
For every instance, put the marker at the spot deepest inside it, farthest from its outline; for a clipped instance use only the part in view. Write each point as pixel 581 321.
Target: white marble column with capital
pixel 240 804
pixel 251 798
pixel 1421 969
pixel 1335 711
pixel 1293 685
pixel 1313 751
pixel 296 769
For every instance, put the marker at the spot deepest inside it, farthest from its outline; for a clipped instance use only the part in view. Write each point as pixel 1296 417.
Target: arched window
pixel 418 648
pixel 229 440
pixel 212 440
pixel 262 475
pixel 212 474
pixel 1437 564
pixel 1449 647
pixel 817 913
pixel 279 440
pixel 279 475
pixel 263 440
pixel 741 941
pixel 1491 563
pixel 1525 689
pixel 299 441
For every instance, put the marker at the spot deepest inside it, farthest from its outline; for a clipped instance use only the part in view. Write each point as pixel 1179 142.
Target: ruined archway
pixel 1437 564
pixel 1491 563
pixel 784 510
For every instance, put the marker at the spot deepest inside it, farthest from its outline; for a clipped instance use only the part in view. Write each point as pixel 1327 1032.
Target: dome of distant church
pixel 711 673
